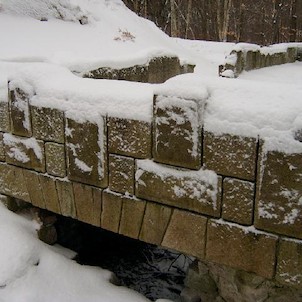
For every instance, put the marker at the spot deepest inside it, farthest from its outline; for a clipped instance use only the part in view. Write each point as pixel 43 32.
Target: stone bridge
pixel 222 198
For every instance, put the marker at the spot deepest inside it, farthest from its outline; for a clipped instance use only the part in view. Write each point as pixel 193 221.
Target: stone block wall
pixel 157 70
pixel 221 198
pixel 249 57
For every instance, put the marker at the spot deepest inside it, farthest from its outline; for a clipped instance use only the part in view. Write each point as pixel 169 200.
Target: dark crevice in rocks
pixel 148 269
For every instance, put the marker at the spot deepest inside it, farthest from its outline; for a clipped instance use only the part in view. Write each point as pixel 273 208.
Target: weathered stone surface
pixel 121 174
pixel 186 233
pixel 289 265
pixel 10 203
pixel 291 54
pixel 34 188
pixel 241 248
pixel 198 191
pixel 161 69
pixel 50 195
pixel 24 152
pixel 129 137
pixel 279 193
pixel 137 73
pixel 111 211
pixel 215 282
pixel 230 155
pixel 19 112
pixel 55 159
pixel 12 182
pixel 177 131
pixel 66 198
pixel 88 209
pixel 48 124
pixel 158 70
pixel 48 234
pixel 132 216
pixel 250 60
pixel 86 152
pixel 2 151
pixel 238 201
pixel 156 220
pixel 4 117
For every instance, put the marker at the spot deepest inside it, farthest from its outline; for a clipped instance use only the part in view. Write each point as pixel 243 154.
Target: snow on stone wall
pixel 164 180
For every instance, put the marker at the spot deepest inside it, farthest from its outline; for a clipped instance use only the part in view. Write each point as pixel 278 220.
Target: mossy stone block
pixel 197 191
pixel 4 117
pixel 238 201
pixel 279 193
pixel 20 119
pixel 186 233
pixel 55 159
pixel 230 155
pixel 86 152
pixel 121 174
pixel 177 131
pixel 289 265
pixel 24 152
pixel 241 248
pixel 88 208
pixel 12 182
pixel 66 198
pixel 132 216
pixel 48 124
pixel 129 137
pixel 155 223
pixel 111 211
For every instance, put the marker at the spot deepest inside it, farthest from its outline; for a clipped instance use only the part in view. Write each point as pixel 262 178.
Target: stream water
pixel 148 269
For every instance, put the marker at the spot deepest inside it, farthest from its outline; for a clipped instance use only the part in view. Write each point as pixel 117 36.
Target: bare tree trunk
pixel 223 18
pixel 293 22
pixel 188 19
pixel 174 31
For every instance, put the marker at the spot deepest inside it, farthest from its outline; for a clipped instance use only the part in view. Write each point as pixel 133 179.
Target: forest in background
pixel 262 21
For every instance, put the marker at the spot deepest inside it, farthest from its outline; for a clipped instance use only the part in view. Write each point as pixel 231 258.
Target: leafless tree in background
pixel 261 21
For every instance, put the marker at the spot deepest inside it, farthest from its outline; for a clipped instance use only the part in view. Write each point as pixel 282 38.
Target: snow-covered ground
pixel 41 55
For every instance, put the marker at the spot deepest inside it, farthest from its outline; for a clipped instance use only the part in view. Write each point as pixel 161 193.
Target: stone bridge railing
pixel 222 198
pixel 246 57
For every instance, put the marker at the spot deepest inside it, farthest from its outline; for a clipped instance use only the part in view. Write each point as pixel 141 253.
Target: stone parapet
pixel 245 57
pixel 157 70
pixel 220 197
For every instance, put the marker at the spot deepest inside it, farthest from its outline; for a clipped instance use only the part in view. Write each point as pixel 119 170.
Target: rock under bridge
pixel 222 198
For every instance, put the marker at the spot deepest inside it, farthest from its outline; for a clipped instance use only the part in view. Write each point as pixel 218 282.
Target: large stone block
pixel 198 191
pixel 88 203
pixel 48 124
pixel 55 159
pixel 86 152
pixel 230 155
pixel 129 137
pixel 12 182
pixel 241 247
pixel 121 174
pixel 34 188
pixel 186 233
pixel 132 216
pixel 161 69
pixel 155 223
pixel 177 131
pixel 238 201
pixel 289 265
pixel 111 211
pixel 279 193
pixel 66 198
pixel 4 117
pixel 2 151
pixel 50 195
pixel 19 112
pixel 24 152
